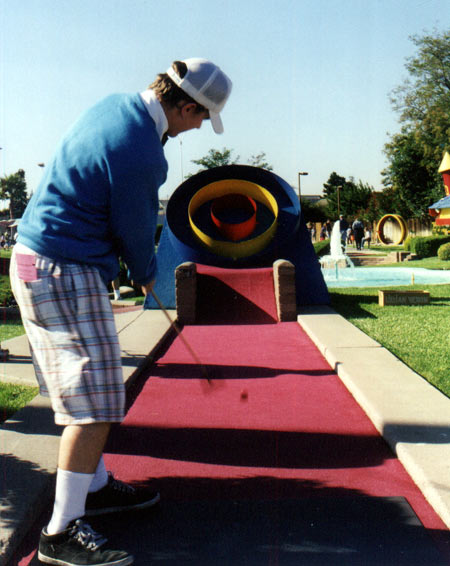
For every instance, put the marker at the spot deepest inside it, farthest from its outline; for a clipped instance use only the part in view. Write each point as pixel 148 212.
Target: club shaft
pixel 174 325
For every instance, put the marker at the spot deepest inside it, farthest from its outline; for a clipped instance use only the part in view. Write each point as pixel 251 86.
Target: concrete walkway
pixel 410 414
pixel 29 440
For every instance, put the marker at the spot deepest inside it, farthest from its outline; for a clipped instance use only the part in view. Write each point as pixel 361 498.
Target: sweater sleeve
pixel 134 207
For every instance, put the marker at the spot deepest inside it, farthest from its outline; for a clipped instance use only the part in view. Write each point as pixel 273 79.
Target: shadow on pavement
pixel 313 531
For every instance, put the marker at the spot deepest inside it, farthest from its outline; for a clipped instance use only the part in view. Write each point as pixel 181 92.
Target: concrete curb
pixel 411 415
pixel 29 440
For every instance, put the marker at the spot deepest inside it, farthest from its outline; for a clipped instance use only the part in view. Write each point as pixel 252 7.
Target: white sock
pixel 100 478
pixel 117 295
pixel 70 499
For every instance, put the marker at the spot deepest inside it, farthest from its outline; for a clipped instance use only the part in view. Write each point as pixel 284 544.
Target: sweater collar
pixel 156 112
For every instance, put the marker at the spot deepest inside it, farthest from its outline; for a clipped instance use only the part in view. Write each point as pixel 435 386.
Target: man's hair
pixel 170 93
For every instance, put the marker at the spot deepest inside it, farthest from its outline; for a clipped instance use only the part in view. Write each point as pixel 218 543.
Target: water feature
pixel 384 277
pixel 336 262
pixel 339 271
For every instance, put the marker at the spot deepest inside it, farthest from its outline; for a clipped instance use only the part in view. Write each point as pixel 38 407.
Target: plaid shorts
pixel 75 349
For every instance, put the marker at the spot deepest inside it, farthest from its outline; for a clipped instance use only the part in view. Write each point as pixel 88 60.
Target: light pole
pixel 299 175
pixel 339 199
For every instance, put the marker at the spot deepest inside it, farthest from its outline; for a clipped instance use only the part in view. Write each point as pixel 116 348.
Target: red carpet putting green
pixel 295 423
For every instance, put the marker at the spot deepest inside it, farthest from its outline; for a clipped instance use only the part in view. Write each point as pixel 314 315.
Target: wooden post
pixel 186 292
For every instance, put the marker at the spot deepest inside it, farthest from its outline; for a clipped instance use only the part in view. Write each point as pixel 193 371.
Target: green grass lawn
pixel 10 329
pixel 419 335
pixel 14 397
pixel 382 250
pixel 427 263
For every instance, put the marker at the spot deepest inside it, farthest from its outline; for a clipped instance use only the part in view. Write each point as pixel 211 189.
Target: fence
pixel 419 227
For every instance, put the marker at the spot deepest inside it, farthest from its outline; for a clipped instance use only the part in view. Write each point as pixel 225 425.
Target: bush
pixel 427 246
pixel 322 248
pixel 407 243
pixel 444 252
pixel 440 230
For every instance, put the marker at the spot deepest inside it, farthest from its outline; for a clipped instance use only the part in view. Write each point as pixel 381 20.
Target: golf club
pixel 182 338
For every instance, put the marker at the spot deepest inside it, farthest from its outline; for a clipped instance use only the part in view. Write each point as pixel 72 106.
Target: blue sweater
pixel 98 198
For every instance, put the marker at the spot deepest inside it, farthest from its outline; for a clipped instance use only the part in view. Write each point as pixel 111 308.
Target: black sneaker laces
pixel 86 536
pixel 121 486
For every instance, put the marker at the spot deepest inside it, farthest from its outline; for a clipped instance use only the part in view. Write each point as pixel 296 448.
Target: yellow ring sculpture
pixel 401 224
pixel 234 250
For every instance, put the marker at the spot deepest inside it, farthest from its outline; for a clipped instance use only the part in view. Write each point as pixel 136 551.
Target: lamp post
pixel 339 199
pixel 299 175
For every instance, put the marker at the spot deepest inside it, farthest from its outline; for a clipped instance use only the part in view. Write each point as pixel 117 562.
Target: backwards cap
pixel 207 84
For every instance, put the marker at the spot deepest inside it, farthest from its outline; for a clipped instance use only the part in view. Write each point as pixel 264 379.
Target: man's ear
pixel 188 107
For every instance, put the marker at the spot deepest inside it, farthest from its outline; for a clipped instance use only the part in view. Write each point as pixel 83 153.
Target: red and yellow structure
pixel 440 210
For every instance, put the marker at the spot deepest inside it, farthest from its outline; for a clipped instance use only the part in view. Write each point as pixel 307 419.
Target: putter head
pixel 212 380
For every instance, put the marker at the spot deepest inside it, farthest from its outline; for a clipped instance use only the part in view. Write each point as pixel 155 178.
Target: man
pixel 358 232
pixel 98 200
pixel 343 227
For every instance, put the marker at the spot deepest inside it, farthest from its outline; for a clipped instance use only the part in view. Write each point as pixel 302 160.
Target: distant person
pixel 350 238
pixel 115 284
pixel 329 228
pixel 367 238
pixel 323 232
pixel 358 232
pixel 312 230
pixel 98 200
pixel 343 227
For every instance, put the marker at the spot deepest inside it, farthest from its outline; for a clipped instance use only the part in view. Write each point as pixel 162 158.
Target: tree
pixel 423 100
pixel 332 191
pixel 372 212
pixel 14 188
pixel 216 158
pixel 410 177
pixel 311 211
pixel 259 160
pixel 423 104
pixel 388 201
pixel 349 197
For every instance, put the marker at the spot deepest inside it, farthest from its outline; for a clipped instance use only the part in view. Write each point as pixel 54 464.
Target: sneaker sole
pixel 118 509
pixel 47 560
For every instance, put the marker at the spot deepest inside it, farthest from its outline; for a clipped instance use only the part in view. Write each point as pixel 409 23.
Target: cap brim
pixel 216 122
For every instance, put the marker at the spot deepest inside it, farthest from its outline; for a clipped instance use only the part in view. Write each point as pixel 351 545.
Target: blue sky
pixel 311 78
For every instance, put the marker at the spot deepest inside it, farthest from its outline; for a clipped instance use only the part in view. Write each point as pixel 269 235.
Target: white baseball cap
pixel 207 84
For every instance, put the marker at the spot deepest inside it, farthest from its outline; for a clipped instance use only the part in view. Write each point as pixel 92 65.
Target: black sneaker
pixel 119 496
pixel 79 545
